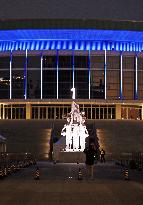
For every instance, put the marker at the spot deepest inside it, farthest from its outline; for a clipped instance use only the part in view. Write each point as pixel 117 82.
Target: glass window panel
pixel 18 64
pixel 13 113
pixel 65 83
pixel 81 61
pixel 50 112
pixel 97 77
pixel 61 112
pixel 105 113
pixel 97 113
pixel 4 62
pixel 4 77
pixel 17 113
pixel 140 63
pixel 4 84
pixel 34 83
pixel 57 113
pixel 97 84
pixel 101 113
pixel 81 84
pixel 86 112
pixel 34 112
pixel 128 85
pixel 49 83
pixel 89 113
pixel 49 62
pixel 65 61
pixel 42 113
pixel 128 63
pixel 109 113
pixel 113 113
pixel 128 77
pixel 140 78
pixel 22 113
pixel 113 77
pixel 34 62
pixel 34 77
pixel 93 113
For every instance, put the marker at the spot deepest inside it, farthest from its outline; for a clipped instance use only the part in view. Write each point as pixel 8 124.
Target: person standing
pixel 102 155
pixel 90 158
pixel 37 174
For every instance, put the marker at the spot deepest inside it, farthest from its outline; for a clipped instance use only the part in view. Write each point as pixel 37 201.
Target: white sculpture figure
pixel 75 130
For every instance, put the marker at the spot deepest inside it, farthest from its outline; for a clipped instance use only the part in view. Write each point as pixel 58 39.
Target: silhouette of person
pixel 90 158
pixel 102 155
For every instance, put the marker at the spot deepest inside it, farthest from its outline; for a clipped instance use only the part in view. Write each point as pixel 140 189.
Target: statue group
pixel 75 129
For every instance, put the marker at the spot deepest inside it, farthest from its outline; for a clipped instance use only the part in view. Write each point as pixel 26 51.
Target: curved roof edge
pixel 12 24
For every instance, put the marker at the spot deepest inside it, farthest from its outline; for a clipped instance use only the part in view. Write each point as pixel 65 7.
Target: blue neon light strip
pixel 10 66
pixel 105 64
pixel 57 59
pixel 73 69
pixel 41 76
pixel 70 45
pixel 25 76
pixel 71 40
pixel 89 73
pixel 136 78
pixel 121 76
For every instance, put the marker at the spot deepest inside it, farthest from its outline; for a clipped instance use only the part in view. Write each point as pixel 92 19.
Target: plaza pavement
pixel 58 185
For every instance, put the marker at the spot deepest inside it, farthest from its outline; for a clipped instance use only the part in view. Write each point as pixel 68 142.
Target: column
pixel 46 113
pixel 136 78
pixel 28 111
pixel 10 77
pixel 89 73
pixel 25 76
pixel 91 111
pixel 121 77
pixel 118 111
pixel 105 68
pixel 57 62
pixel 142 113
pixel 73 68
pixel 38 112
pixel 41 76
pixel 11 110
pixel 4 147
pixel 3 112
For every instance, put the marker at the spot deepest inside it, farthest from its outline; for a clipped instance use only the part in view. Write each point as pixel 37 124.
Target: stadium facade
pixel 41 60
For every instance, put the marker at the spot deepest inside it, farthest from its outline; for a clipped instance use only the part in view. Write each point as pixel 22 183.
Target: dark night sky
pixel 104 9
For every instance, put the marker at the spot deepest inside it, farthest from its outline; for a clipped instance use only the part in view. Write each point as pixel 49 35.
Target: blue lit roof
pixel 68 34
pixel 77 39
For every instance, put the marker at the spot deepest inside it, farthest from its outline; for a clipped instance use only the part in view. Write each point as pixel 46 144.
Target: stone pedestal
pixel 71 157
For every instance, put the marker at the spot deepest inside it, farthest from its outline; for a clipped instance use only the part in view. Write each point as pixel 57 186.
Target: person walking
pixel 37 174
pixel 102 155
pixel 90 158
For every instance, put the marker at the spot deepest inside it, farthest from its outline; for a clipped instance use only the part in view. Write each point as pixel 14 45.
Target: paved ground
pixel 55 186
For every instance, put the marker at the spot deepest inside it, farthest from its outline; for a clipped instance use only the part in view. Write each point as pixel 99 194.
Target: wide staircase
pixel 117 137
pixel 27 136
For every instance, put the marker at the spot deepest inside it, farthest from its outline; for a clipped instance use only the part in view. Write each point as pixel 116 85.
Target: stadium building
pixel 41 60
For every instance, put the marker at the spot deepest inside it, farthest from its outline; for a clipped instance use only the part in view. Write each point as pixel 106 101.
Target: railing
pixel 8 158
pixel 13 162
pixel 132 159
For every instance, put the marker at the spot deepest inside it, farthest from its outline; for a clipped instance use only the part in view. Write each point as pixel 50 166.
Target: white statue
pixel 75 130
